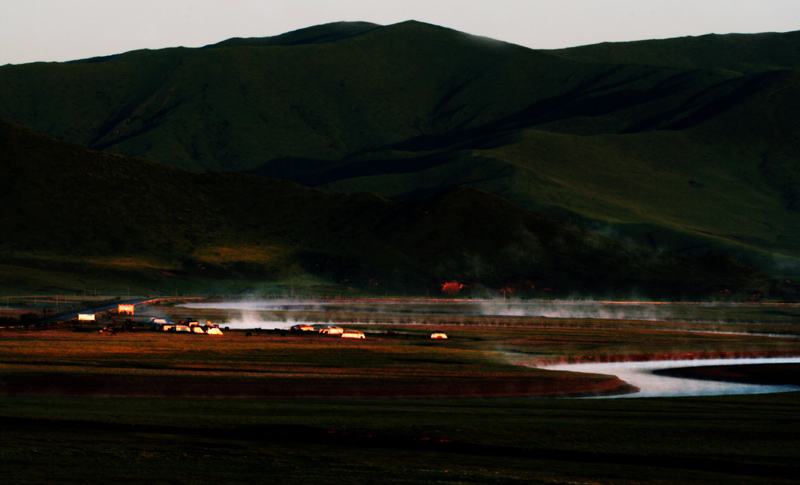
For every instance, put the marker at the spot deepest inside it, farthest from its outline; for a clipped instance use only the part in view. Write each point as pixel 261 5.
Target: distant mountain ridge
pixel 682 144
pixel 743 53
pixel 319 34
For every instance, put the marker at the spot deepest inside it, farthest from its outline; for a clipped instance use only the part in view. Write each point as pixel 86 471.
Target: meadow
pixel 429 159
pixel 158 407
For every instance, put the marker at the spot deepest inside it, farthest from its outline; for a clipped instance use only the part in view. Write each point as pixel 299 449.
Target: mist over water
pixel 640 374
pixel 250 320
pixel 249 305
pixel 256 314
pixel 514 308
pixel 722 312
pixel 489 307
pixel 251 316
pixel 574 309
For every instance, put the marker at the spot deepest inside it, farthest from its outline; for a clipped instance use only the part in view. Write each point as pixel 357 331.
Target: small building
pixel 125 309
pixel 86 317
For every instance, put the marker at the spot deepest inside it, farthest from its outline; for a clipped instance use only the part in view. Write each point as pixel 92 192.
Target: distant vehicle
pixel 331 330
pixel 353 334
pixel 182 328
pixel 438 335
pixel 302 327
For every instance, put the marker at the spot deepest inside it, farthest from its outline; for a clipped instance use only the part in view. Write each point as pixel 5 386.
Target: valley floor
pixel 131 407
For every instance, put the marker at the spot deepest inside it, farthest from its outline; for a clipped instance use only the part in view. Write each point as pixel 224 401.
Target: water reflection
pixel 640 374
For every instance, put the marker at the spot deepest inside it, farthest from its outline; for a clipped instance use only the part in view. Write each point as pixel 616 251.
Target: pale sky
pixel 61 30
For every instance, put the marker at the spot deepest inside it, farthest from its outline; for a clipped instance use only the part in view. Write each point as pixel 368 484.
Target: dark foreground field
pixel 721 440
pixel 168 408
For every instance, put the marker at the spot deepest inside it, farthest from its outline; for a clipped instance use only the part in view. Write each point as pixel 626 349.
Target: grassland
pixel 695 154
pixel 56 438
pixel 701 440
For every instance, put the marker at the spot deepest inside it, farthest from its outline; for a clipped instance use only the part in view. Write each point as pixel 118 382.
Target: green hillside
pixel 685 144
pixel 85 217
pixel 234 107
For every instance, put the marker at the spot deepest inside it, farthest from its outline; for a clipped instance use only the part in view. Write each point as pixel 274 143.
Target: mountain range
pixel 675 150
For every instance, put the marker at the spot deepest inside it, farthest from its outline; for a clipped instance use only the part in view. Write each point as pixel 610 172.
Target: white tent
pixel 353 334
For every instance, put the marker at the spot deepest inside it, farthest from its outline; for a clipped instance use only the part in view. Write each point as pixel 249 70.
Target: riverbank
pixel 62 363
pixel 105 385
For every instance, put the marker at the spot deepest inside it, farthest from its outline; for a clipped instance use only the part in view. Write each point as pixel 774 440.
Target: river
pixel 640 374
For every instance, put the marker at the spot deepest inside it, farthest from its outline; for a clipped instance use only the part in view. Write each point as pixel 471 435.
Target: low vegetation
pixel 681 144
pixel 86 218
pixel 434 164
pixel 49 436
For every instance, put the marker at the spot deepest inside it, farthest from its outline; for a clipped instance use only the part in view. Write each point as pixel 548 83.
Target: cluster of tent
pixel 192 326
pixel 329 330
pixel 334 330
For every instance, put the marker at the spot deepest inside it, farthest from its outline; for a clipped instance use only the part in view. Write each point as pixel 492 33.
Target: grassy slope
pixel 71 209
pixel 601 136
pixel 259 103
pixel 695 170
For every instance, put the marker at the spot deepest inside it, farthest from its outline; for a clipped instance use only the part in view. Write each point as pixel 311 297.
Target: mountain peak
pixel 318 34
